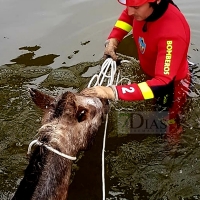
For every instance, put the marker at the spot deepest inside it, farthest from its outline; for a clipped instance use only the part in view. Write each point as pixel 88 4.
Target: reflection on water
pixel 29 60
pixel 153 170
pixel 69 76
pixel 18 123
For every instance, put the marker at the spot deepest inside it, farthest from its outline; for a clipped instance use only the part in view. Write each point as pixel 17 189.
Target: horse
pixel 69 124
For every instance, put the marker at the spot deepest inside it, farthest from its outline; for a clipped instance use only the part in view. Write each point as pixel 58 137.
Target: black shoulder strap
pixel 170 1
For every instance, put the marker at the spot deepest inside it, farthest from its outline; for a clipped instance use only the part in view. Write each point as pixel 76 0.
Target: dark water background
pixel 56 46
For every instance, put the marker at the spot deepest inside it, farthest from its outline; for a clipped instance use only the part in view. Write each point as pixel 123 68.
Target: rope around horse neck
pixel 100 78
pixel 49 148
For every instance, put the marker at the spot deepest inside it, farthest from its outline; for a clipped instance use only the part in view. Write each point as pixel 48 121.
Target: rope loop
pixel 107 73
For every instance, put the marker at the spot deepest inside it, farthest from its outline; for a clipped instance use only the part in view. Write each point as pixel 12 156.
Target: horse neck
pixel 46 177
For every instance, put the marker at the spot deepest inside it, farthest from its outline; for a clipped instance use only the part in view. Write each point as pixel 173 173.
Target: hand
pixel 111 47
pixel 100 92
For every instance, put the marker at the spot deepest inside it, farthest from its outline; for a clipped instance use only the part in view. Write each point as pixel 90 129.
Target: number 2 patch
pixel 129 90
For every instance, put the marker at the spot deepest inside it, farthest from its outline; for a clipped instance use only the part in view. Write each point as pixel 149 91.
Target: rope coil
pixel 104 73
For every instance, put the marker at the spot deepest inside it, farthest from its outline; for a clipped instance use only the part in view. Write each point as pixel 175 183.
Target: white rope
pixel 103 158
pixel 49 148
pixel 109 63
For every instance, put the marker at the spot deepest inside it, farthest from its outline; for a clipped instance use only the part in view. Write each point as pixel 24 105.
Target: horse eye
pixel 81 116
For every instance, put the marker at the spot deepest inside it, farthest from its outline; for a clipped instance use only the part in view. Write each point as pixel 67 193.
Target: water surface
pixel 57 46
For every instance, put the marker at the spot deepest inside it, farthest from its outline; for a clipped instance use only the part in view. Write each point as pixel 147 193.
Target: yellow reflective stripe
pixel 171 121
pixel 123 25
pixel 146 90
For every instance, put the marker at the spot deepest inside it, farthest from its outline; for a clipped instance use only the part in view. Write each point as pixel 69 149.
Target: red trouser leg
pixel 181 90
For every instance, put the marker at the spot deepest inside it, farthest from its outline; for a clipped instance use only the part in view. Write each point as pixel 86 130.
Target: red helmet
pixel 134 2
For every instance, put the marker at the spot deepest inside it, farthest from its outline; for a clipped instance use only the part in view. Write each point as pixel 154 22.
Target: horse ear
pixel 41 100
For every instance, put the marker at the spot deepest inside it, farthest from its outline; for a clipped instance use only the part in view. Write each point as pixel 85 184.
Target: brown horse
pixel 69 124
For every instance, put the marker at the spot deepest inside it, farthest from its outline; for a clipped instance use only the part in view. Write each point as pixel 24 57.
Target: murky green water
pixel 57 47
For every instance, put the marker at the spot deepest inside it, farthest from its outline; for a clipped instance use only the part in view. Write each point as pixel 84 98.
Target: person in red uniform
pixel 162 37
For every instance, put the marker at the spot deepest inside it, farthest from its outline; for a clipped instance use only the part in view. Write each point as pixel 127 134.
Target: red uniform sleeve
pixel 169 57
pixel 122 27
pixel 168 63
pixel 129 92
pixel 134 91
